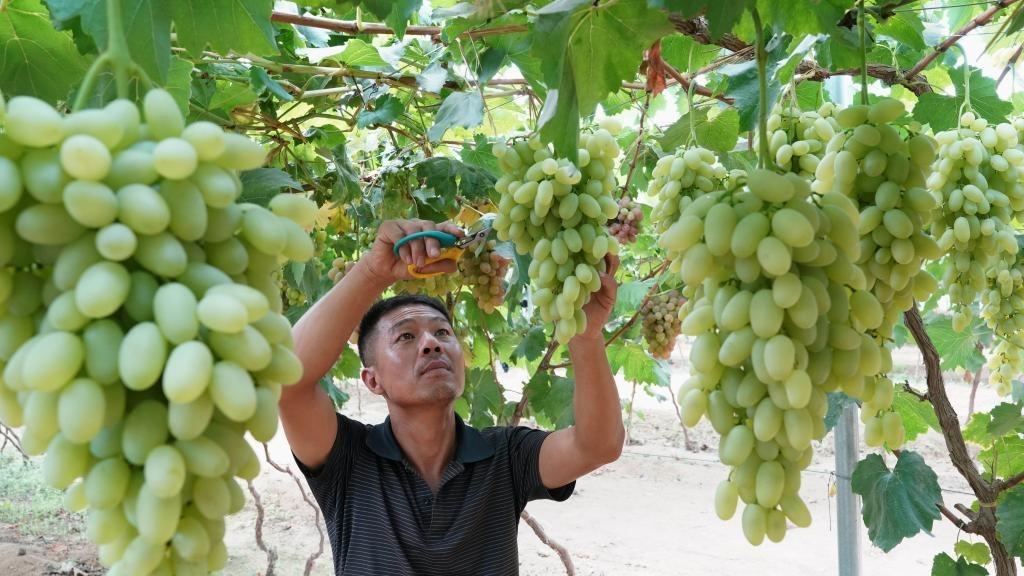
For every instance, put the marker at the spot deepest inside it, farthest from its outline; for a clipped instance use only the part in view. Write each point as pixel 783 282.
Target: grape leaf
pixel 36 59
pixel 479 154
pixel 837 402
pixel 432 78
pixel 450 177
pixel 957 349
pixel 532 345
pixel 799 17
pixel 944 565
pixel 385 110
pixel 240 26
pixel 1010 520
pixel 898 503
pixel 743 84
pixel 630 295
pixel 943 112
pixel 464 109
pixel 1004 458
pixel 262 82
pixel 686 54
pixel 551 399
pixel 976 430
pixel 586 51
pixel 485 399
pixel 722 16
pixel 361 54
pixel 262 184
pixel 636 364
pixel 1005 418
pixel 917 416
pixel 905 28
pixel 718 133
pixel 179 82
pixel 977 553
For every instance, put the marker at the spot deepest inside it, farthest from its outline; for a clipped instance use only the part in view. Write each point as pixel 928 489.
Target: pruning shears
pixel 452 247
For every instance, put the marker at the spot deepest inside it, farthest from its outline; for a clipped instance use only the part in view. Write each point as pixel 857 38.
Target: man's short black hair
pixel 368 325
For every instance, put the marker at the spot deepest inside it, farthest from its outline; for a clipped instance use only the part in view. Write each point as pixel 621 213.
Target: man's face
pixel 417 358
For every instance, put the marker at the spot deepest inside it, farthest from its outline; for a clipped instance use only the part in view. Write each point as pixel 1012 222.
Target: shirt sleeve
pixel 524 453
pixel 330 480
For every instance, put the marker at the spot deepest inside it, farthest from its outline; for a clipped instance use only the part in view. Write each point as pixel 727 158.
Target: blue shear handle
pixel 444 238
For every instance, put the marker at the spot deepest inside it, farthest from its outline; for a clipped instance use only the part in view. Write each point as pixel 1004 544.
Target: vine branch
pixel 270 552
pixel 316 509
pixel 979 20
pixel 563 553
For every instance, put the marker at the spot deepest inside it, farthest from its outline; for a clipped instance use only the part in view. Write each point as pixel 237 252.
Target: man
pixel 423 493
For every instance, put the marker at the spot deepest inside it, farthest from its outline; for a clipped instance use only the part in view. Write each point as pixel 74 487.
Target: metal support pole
pixel 847 438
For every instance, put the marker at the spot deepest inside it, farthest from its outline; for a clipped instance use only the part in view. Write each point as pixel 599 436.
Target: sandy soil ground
pixel 648 514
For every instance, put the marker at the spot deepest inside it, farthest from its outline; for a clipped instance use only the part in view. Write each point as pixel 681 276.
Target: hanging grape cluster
pixel 436 286
pixel 661 323
pixel 798 137
pixel 485 271
pixel 678 178
pixel 339 267
pixel 557 210
pixel 146 339
pixel 976 174
pixel 626 225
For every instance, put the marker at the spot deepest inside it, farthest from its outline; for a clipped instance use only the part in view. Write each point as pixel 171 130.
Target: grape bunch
pixel 140 328
pixel 884 173
pixel 1002 308
pixel 778 309
pixel 679 178
pixel 626 224
pixel 977 174
pixel 798 137
pixel 436 286
pixel 661 324
pixel 485 271
pixel 556 210
pixel 339 267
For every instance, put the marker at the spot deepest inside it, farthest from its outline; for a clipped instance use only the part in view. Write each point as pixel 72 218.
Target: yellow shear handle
pixel 449 253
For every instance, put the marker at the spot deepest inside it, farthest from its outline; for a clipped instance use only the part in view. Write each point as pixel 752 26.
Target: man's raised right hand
pixel 381 262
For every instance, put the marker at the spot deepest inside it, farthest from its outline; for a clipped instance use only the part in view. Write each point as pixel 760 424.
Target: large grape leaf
pixel 1010 520
pixel 904 27
pixel 586 50
pixel 918 416
pixel 898 503
pixel 1005 418
pixel 385 110
pixel 686 54
pixel 957 349
pixel 240 26
pixel 551 399
pixel 464 109
pixel 532 345
pixel 485 397
pixel 743 84
pixel 36 59
pixel 722 15
pixel 942 112
pixel 262 184
pixel 944 565
pixel 1004 457
pixel 636 364
pixel 450 177
pixel 718 132
pixel 799 17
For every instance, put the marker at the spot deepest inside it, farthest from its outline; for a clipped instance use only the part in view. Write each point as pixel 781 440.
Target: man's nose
pixel 429 344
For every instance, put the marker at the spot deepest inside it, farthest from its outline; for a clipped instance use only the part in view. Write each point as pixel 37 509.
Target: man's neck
pixel 427 437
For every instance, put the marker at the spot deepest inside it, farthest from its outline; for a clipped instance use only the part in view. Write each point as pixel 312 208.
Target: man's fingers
pixel 446 266
pixel 612 262
pixel 451 229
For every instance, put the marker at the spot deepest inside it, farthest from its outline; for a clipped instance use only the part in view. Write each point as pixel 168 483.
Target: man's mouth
pixel 436 365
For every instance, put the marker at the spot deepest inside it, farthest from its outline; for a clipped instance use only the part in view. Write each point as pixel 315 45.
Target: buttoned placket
pixel 425 497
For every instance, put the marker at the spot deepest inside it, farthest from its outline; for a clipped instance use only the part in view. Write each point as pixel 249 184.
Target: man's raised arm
pixel 307 413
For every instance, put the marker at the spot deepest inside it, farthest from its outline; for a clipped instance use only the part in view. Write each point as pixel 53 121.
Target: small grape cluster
pixel 339 267
pixel 661 323
pixel 626 225
pixel 485 274
pixel 436 286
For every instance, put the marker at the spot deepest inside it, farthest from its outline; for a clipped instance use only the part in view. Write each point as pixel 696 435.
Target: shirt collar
pixel 470 444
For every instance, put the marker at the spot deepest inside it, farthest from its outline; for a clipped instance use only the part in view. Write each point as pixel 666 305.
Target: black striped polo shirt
pixel 383 519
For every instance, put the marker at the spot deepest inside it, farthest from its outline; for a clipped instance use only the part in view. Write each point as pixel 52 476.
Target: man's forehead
pixel 412 313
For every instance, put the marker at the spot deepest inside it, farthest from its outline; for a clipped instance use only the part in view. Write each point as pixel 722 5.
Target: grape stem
pixel 117 57
pixel 636 149
pixel 966 106
pixel 762 89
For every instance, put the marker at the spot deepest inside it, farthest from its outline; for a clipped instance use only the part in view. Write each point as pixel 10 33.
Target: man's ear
pixel 369 378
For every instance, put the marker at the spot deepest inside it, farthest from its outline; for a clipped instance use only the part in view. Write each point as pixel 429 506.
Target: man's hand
pixel 599 308
pixel 382 263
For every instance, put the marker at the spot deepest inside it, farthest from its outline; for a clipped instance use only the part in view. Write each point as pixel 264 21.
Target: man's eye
pixel 404 336
pixel 443 332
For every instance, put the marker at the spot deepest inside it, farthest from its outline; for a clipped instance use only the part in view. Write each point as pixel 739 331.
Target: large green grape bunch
pixel 661 323
pixel 778 310
pixel 869 161
pixel 798 137
pixel 140 333
pixel 977 174
pixel 485 271
pixel 557 211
